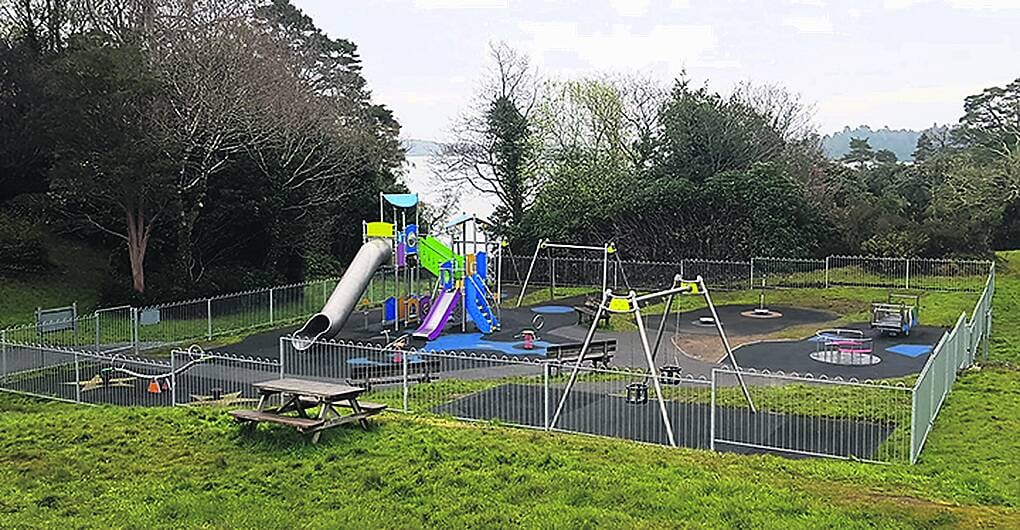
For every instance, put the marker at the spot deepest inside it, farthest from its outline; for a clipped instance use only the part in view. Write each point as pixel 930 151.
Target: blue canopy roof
pixel 401 200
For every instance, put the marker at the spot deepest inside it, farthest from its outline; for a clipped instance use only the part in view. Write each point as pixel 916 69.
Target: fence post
pixel 282 370
pixel 173 377
pixel 135 339
pixel 827 271
pixel 908 273
pixel 403 377
pixel 270 305
pixel 913 424
pixel 96 314
pixel 77 379
pixel 751 286
pixel 711 412
pixel 208 318
pixel 3 355
pixel 545 395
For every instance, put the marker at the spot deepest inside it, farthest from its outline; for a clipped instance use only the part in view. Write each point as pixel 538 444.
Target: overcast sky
pixel 900 63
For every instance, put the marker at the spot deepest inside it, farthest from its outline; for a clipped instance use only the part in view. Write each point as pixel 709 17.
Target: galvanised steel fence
pixel 956 350
pixel 188 377
pixel 759 272
pixel 126 328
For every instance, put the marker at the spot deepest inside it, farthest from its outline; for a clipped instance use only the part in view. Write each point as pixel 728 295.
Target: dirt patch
pixel 709 348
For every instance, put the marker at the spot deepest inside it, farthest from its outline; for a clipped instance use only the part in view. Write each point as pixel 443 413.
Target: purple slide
pixel 440 313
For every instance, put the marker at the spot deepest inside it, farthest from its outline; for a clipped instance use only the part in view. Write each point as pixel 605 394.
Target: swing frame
pixel 606 250
pixel 679 287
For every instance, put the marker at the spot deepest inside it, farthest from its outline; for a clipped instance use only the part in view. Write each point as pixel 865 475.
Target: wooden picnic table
pixel 300 395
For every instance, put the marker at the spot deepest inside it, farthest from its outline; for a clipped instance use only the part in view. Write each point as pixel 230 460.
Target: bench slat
pixel 291 421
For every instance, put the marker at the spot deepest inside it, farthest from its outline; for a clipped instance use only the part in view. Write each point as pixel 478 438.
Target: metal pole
pixel 545 395
pixel 908 273
pixel 711 419
pixel 752 273
pixel 173 377
pixel 580 359
pixel 499 272
pixel 605 267
pixel 270 305
pixel 77 379
pixel 208 321
pixel 651 369
pixel 726 342
pixel 403 370
pixel 97 331
pixel 552 275
pixel 3 354
pixel 827 271
pixel 135 338
pixel 531 268
pixel 282 370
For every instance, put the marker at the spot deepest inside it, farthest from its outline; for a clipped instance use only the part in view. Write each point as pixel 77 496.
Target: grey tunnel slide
pixel 327 323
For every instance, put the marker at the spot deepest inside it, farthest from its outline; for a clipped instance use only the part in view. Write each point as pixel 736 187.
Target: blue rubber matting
pixel 910 350
pixel 477 341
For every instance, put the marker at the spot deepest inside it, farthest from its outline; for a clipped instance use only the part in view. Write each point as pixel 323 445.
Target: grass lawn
pixel 64 465
pixel 77 276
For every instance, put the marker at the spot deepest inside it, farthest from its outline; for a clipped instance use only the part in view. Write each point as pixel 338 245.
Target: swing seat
pixel 637 393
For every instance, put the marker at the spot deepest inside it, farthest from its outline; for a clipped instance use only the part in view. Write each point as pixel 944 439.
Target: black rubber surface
pixel 795 356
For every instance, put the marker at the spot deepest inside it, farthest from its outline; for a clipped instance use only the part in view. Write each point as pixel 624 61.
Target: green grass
pixel 77 276
pixel 62 465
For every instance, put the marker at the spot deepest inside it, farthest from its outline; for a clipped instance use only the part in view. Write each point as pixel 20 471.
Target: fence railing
pixel 955 351
pixel 124 328
pixel 759 272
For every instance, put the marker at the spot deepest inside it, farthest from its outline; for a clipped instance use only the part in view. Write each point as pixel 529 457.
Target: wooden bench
pixel 586 313
pixel 300 395
pixel 298 422
pixel 368 375
pixel 600 352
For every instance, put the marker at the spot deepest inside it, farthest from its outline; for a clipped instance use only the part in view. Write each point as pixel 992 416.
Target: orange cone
pixel 154 387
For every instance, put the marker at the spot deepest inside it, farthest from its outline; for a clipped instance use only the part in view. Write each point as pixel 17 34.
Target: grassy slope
pixel 65 465
pixel 77 276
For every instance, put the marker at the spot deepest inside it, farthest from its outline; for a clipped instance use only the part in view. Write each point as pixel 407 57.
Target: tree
pixel 701 133
pixel 860 153
pixel 108 170
pixel 491 148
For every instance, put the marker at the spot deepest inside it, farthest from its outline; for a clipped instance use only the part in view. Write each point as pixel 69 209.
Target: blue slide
pixel 477 303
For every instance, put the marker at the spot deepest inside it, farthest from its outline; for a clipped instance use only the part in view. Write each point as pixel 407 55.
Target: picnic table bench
pixel 600 352
pixel 418 370
pixel 587 312
pixel 300 395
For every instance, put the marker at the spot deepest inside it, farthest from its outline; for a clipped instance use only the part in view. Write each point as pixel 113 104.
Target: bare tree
pixel 491 148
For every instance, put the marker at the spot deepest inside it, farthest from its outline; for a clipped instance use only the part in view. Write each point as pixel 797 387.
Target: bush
pixel 22 248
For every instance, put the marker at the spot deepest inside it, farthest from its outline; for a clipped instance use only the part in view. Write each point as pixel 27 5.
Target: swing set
pixel 631 304
pixel 607 250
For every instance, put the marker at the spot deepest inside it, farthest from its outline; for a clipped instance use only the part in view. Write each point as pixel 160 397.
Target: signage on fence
pixel 56 319
pixel 148 317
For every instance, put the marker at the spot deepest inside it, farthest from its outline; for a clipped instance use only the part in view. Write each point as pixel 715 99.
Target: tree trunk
pixel 137 243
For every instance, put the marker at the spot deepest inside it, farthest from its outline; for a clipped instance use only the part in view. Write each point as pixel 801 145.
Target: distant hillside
pixel 415 147
pixel 900 141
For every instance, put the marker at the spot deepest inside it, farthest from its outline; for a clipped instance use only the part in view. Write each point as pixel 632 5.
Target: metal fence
pixel 955 351
pixel 188 377
pixel 759 272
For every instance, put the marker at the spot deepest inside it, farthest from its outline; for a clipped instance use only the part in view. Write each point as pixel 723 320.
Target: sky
pixel 895 63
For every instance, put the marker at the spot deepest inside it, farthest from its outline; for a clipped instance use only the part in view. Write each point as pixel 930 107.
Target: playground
pixel 783 357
